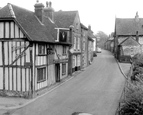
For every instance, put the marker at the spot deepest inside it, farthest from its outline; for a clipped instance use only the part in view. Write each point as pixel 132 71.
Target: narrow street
pixel 96 91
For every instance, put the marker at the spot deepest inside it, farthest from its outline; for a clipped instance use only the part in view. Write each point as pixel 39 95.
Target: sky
pixel 100 14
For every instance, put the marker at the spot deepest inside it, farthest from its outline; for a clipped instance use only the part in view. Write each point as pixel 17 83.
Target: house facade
pixel 127 27
pixel 70 20
pixel 90 43
pixel 38 49
pixel 32 58
pixel 84 49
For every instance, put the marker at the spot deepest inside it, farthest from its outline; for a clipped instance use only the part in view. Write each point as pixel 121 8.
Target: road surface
pixel 96 91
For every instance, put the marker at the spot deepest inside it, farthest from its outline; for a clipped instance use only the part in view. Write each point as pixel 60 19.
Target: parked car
pixel 98 50
pixel 94 54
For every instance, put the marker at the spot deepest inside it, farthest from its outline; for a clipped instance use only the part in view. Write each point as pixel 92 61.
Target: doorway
pixel 57 72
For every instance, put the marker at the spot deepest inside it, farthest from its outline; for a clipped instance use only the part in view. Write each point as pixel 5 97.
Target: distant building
pixel 125 28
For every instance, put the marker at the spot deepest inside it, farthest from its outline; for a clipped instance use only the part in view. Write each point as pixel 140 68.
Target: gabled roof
pixel 83 26
pixel 64 19
pixel 34 29
pixel 128 26
pixel 130 41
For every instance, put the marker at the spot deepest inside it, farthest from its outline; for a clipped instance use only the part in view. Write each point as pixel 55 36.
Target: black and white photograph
pixel 71 57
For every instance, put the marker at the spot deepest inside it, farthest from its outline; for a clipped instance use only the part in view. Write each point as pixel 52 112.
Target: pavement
pixel 9 103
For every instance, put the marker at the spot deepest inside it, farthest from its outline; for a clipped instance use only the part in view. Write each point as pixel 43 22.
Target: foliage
pixel 134 103
pixel 134 93
pixel 137 62
pixel 102 39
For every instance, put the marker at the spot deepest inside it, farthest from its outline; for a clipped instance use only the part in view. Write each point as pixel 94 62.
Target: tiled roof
pixel 64 18
pixel 128 26
pixel 50 25
pixel 35 30
pixel 130 41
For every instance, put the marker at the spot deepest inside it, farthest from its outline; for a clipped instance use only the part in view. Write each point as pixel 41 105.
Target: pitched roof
pixel 128 26
pixel 64 19
pixel 83 26
pixel 50 25
pixel 35 30
pixel 130 41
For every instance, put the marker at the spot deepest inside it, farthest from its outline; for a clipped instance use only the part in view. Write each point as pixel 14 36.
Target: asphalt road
pixel 96 90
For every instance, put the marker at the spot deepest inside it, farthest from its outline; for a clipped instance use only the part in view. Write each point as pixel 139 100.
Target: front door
pixel 57 72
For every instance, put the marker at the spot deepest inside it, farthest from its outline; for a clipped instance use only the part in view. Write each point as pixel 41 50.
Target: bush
pixel 137 62
pixel 134 95
pixel 134 103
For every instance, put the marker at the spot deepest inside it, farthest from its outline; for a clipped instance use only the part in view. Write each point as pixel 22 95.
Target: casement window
pixel 78 44
pixel 64 50
pixel 41 49
pixel 41 74
pixel 64 69
pixel 74 45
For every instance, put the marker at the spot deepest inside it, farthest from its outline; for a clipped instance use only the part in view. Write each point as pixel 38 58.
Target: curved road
pixel 96 90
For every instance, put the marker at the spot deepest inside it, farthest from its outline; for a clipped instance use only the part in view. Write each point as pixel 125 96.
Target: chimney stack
pixel 137 17
pixel 39 10
pixel 49 11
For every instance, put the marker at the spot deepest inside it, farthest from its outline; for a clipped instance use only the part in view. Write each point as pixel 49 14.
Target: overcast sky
pixel 100 14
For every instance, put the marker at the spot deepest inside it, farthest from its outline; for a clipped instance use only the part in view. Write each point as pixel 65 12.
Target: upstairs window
pixel 74 44
pixel 41 50
pixel 62 36
pixel 78 45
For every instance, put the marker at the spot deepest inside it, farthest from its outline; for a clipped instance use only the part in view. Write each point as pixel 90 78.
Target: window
pixel 41 50
pixel 73 62
pixel 64 50
pixel 74 43
pixel 63 36
pixel 78 45
pixel 64 69
pixel 41 74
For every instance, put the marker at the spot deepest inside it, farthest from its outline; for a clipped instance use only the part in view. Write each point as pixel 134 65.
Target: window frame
pixel 41 49
pixel 42 73
pixel 63 68
pixel 64 50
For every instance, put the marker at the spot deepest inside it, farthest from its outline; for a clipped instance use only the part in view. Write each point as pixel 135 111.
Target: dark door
pixel 57 72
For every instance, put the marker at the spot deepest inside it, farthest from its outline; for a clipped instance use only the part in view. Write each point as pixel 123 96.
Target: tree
pixel 102 38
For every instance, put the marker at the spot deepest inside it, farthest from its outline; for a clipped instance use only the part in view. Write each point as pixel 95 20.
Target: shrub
pixel 134 103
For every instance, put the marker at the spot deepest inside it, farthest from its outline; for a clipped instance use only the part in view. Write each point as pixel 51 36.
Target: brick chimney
pixel 89 27
pixel 39 10
pixel 49 11
pixel 137 17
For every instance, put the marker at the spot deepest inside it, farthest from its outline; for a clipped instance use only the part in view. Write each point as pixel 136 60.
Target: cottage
pixel 127 27
pixel 128 48
pixel 34 54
